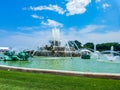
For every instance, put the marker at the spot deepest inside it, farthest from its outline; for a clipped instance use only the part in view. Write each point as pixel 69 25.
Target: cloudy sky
pixel 29 23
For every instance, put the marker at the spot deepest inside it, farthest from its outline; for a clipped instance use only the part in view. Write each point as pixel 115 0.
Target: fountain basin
pixel 68 64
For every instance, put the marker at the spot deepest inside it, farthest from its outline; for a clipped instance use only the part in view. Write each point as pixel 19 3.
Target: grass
pixel 11 80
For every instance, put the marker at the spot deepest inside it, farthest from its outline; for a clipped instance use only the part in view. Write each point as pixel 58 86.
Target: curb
pixel 62 72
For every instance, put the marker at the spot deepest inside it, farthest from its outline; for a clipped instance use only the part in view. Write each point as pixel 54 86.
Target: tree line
pixel 99 47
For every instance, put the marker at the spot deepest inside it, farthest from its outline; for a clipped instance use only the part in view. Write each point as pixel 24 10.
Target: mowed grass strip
pixel 11 80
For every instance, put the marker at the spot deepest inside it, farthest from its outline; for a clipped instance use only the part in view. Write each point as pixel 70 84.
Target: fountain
pixel 55 49
pixel 13 56
pixel 95 53
pixel 87 53
pixel 57 56
pixel 110 55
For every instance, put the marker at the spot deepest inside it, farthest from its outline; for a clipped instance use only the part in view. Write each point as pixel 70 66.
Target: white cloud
pixel 52 23
pixel 76 6
pixel 97 1
pixel 26 41
pixel 105 5
pixel 103 37
pixel 55 8
pixel 72 7
pixel 37 17
pixel 29 28
pixel 92 37
pixel 91 28
pixel 40 38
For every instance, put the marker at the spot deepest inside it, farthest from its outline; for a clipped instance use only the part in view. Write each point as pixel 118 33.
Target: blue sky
pixel 28 23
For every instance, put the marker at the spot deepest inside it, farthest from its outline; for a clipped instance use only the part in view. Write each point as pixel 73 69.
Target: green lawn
pixel 11 80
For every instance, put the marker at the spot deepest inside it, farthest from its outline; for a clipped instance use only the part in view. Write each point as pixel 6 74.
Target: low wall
pixel 61 72
pixel 57 54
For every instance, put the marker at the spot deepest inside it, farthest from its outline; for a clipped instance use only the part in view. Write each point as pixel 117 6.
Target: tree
pixel 79 44
pixel 107 46
pixel 89 45
pixel 76 44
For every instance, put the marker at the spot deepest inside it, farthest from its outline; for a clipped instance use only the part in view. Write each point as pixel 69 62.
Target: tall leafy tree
pixel 79 44
pixel 89 45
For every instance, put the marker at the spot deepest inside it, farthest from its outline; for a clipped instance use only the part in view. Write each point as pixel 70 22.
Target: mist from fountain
pixel 110 55
pixel 56 35
pixel 95 54
pixel 57 47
